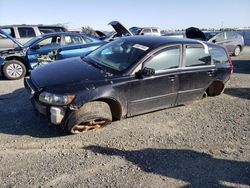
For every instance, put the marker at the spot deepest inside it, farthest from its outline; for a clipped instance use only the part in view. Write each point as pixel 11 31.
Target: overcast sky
pixel 166 14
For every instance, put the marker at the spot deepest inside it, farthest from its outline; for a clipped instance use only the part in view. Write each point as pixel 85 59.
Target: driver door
pixel 159 91
pixel 44 51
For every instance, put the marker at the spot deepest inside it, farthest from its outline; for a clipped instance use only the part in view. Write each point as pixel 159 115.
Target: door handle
pixel 172 78
pixel 210 73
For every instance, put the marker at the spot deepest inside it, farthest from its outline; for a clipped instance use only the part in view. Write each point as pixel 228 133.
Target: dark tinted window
pixel 155 30
pixel 219 55
pixel 47 29
pixel 166 59
pixel 196 56
pixel 9 31
pixel 146 30
pixel 26 32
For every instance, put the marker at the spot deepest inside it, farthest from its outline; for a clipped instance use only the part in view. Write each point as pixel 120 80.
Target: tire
pixel 90 116
pixel 237 51
pixel 14 70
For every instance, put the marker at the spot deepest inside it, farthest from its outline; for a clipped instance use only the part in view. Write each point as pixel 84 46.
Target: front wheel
pixel 14 70
pixel 92 115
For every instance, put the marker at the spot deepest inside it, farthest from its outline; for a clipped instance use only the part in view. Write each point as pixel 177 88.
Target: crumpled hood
pixel 67 72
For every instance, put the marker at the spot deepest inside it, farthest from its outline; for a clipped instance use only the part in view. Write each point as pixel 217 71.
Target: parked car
pixel 43 50
pixel 119 31
pixel 233 41
pixel 127 77
pixel 145 31
pixel 23 33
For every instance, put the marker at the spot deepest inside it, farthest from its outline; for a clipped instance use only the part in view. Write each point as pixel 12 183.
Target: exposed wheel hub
pixel 90 125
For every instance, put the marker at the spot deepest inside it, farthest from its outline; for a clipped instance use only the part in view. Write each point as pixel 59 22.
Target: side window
pixel 50 42
pixel 220 37
pixel 71 40
pixel 196 56
pixel 166 59
pixel 26 32
pixel 146 31
pixel 86 40
pixel 231 35
pixel 219 55
pixel 9 31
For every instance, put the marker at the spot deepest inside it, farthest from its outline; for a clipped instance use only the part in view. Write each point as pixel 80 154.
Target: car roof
pixel 24 25
pixel 157 41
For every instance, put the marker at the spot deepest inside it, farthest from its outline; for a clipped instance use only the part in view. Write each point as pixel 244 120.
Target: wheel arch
pixel 114 105
pixel 18 58
pixel 215 88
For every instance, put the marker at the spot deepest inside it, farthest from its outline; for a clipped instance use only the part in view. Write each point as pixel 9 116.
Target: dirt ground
pixel 204 144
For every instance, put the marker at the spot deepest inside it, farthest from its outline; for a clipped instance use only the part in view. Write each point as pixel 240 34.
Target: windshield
pixel 118 55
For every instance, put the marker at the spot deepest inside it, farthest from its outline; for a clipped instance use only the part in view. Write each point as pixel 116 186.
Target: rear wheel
pixel 237 51
pixel 92 115
pixel 14 70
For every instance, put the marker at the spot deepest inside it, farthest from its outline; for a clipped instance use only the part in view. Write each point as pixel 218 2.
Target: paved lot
pixel 204 144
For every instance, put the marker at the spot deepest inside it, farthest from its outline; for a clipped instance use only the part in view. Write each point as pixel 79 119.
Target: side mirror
pixel 145 72
pixel 35 47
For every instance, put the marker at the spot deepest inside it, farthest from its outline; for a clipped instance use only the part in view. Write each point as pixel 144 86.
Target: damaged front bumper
pixel 54 113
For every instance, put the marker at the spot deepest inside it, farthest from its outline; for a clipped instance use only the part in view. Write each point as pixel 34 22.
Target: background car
pixel 23 33
pixel 128 77
pixel 233 41
pixel 43 50
pixel 145 31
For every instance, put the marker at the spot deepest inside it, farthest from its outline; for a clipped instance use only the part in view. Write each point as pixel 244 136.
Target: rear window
pixel 196 56
pixel 219 55
pixel 25 32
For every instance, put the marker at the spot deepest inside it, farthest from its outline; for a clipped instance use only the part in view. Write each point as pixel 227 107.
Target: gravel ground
pixel 204 144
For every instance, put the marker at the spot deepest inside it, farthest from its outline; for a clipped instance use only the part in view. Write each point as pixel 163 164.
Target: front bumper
pixel 56 114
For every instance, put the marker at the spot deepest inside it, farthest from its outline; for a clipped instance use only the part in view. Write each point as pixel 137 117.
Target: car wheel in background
pixel 14 70
pixel 237 51
pixel 92 115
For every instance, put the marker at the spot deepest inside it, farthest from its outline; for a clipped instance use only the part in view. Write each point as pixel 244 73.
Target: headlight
pixel 55 99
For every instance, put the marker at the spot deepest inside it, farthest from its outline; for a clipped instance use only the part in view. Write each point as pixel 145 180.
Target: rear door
pixel 196 74
pixel 76 45
pixel 158 91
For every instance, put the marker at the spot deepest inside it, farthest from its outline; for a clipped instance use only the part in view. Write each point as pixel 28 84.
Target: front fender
pixel 1 65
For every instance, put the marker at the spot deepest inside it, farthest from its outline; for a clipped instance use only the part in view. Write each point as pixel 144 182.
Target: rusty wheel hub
pixel 90 125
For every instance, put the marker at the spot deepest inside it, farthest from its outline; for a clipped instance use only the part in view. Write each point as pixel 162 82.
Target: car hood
pixel 120 29
pixel 195 33
pixel 11 38
pixel 68 72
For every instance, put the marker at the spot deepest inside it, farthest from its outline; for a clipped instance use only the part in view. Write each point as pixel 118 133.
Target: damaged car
pixel 119 31
pixel 127 77
pixel 233 41
pixel 42 50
